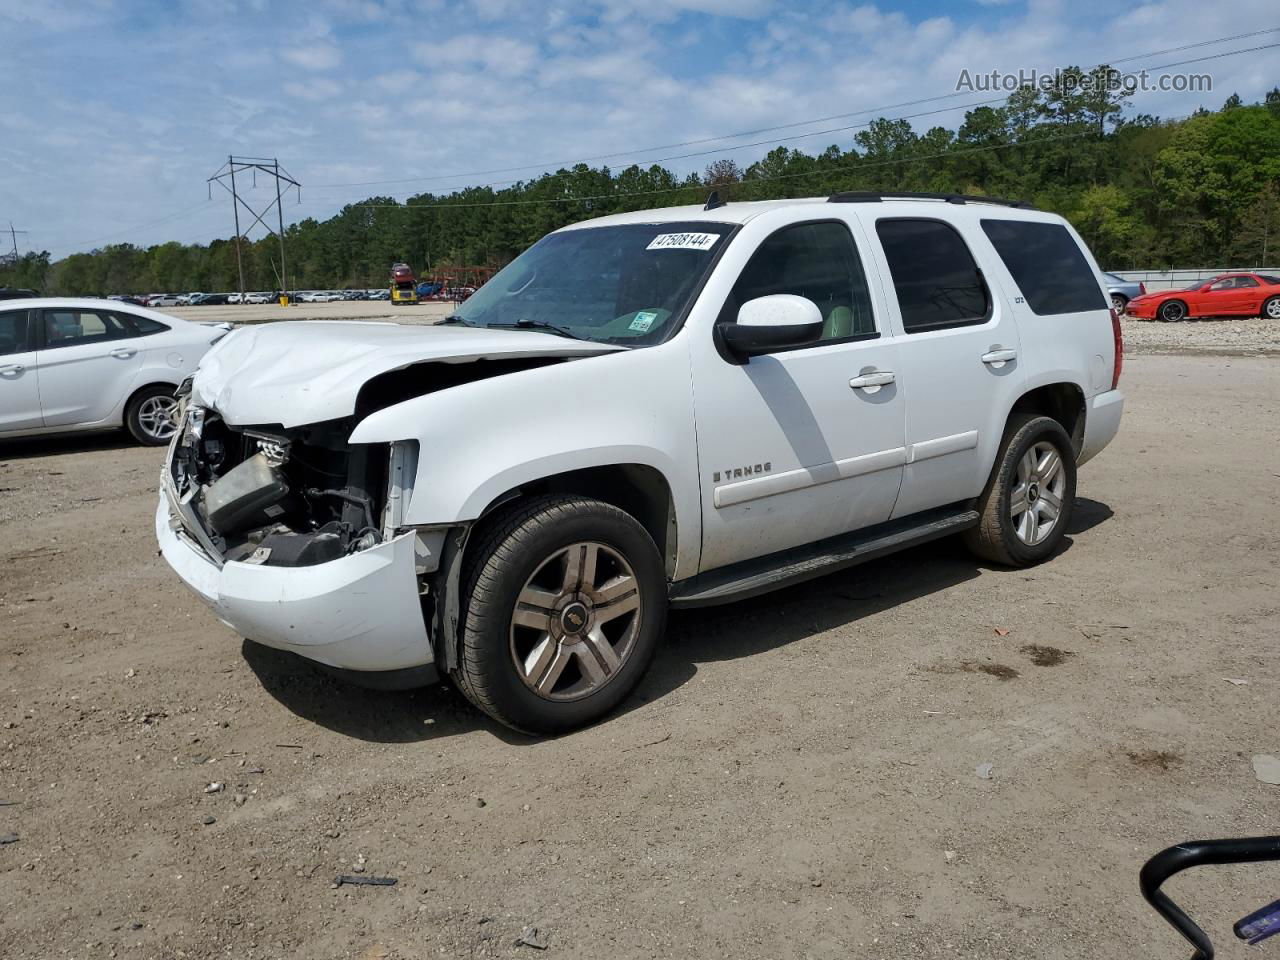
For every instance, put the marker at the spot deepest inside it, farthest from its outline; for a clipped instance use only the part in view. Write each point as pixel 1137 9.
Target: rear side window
pixel 14 332
pixel 69 328
pixel 819 262
pixel 937 281
pixel 145 326
pixel 1046 263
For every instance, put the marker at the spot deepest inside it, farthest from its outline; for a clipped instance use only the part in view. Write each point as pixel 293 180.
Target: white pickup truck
pixel 663 408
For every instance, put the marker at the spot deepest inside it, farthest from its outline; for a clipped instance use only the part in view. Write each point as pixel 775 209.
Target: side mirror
pixel 768 323
pixel 1205 288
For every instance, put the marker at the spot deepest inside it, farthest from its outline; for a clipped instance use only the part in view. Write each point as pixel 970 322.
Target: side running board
pixel 750 578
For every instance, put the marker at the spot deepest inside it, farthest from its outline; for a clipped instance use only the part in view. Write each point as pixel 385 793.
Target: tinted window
pixel 14 332
pixel 937 282
pixel 1246 282
pixel 817 261
pixel 1269 279
pixel 67 328
pixel 145 326
pixel 1225 284
pixel 1047 265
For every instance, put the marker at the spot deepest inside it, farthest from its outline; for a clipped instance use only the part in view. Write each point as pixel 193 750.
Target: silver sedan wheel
pixel 575 622
pixel 158 417
pixel 1035 504
pixel 1118 303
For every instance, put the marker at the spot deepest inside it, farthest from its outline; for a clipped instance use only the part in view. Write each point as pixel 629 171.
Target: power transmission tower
pixel 12 258
pixel 269 167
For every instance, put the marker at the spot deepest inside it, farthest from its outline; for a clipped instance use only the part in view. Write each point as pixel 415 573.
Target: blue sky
pixel 118 111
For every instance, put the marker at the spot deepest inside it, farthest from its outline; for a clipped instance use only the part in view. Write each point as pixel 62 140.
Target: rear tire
pixel 1118 302
pixel 1172 311
pixel 1271 308
pixel 1027 503
pixel 151 417
pixel 563 601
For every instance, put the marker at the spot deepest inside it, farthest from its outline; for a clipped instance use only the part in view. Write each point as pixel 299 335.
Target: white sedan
pixel 68 365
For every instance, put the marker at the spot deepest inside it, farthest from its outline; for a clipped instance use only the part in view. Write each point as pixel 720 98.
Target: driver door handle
pixel 123 353
pixel 12 368
pixel 999 356
pixel 876 378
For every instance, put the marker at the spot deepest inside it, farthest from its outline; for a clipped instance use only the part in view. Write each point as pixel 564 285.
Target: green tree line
pixel 1143 192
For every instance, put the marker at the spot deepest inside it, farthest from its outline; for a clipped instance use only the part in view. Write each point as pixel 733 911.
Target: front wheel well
pixel 1063 402
pixel 638 489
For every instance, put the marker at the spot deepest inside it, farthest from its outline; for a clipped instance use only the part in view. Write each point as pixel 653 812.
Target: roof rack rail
pixel 875 196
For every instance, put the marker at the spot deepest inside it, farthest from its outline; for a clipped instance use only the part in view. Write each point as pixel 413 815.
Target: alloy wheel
pixel 1035 503
pixel 1273 308
pixel 1172 311
pixel 576 621
pixel 158 417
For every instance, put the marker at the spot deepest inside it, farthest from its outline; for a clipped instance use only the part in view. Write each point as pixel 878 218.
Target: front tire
pixel 1172 311
pixel 564 599
pixel 1028 501
pixel 1271 308
pixel 152 416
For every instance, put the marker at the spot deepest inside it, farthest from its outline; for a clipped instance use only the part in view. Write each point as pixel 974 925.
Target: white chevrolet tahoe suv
pixel 663 408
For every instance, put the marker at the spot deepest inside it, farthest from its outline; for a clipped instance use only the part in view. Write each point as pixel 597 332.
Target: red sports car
pixel 1229 295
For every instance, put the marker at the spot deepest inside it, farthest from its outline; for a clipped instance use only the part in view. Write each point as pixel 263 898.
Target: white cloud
pixel 316 89
pixel 319 56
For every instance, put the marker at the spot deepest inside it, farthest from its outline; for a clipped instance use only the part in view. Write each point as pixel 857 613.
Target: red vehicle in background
pixel 404 288
pixel 1228 295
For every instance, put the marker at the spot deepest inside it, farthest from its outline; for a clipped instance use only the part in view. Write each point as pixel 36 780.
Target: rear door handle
pixel 123 353
pixel 876 378
pixel 12 368
pixel 998 358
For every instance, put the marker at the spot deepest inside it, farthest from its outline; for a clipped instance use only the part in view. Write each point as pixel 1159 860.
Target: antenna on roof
pixel 714 201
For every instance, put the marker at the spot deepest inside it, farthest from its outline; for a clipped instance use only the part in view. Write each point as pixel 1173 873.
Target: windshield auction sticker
pixel 683 241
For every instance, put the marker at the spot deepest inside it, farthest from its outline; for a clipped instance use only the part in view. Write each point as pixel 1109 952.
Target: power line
pixel 793 125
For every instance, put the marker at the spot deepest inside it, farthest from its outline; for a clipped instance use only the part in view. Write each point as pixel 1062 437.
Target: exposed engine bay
pixel 279 497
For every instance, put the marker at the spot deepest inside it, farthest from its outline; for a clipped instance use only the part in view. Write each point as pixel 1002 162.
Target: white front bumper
pixel 360 612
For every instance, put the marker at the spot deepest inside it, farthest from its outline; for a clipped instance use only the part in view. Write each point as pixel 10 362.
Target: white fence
pixel 1181 279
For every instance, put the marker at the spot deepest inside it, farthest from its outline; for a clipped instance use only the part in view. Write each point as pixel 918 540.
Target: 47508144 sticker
pixel 683 241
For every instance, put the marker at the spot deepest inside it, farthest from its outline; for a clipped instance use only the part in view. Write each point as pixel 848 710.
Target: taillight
pixel 1119 342
pixel 1142 289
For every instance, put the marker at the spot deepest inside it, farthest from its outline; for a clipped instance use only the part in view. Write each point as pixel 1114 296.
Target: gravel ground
pixel 338 310
pixel 798 776
pixel 1227 336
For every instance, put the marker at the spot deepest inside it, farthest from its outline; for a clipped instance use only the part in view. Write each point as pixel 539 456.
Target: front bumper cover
pixel 360 612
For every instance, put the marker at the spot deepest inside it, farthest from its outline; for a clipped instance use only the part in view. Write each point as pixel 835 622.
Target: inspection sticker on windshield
pixel 683 241
pixel 643 321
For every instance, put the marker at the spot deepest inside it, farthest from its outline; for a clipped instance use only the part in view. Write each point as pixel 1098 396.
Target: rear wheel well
pixel 171 387
pixel 1063 402
pixel 639 490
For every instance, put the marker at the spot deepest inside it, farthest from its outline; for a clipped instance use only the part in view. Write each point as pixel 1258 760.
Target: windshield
pixel 626 284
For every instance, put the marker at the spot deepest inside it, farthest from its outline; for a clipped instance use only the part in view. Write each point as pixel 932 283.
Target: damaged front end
pixel 288 498
pixel 294 538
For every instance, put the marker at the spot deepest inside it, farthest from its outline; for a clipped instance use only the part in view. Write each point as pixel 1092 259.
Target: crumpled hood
pixel 300 372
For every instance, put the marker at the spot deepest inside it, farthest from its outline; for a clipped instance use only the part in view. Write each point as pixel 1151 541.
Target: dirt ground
pixel 426 312
pixel 797 777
